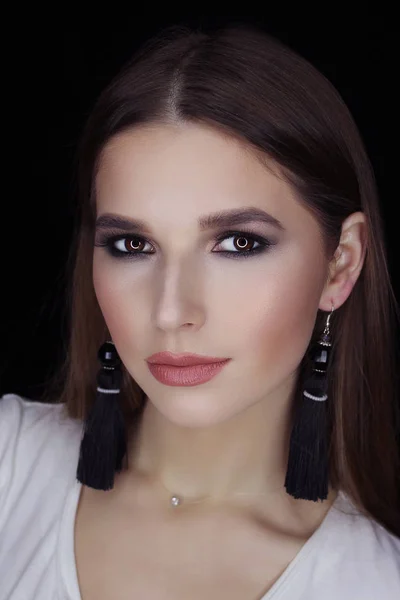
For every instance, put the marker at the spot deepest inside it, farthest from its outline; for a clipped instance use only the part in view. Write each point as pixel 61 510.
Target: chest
pixel 126 555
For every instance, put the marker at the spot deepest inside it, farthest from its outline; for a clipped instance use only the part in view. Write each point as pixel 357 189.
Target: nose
pixel 178 302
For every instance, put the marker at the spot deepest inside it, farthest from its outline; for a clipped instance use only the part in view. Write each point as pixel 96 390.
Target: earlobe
pixel 347 263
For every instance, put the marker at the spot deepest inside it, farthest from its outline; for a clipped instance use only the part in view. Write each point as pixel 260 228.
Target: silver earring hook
pixel 327 329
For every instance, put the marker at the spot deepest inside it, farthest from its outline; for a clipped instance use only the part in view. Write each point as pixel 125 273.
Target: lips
pixel 183 360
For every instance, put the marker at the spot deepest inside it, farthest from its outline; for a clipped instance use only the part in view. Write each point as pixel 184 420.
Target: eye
pixel 241 243
pixel 134 247
pixel 130 244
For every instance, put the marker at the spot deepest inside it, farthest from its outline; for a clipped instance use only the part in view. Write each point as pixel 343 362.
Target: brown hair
pixel 253 87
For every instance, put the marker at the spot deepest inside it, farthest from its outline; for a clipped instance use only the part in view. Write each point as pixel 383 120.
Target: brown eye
pixel 134 244
pixel 243 243
pixel 130 245
pixel 238 243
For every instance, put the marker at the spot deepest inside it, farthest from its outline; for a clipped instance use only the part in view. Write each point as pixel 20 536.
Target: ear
pixel 347 262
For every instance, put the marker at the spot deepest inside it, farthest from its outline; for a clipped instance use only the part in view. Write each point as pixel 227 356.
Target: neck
pixel 243 456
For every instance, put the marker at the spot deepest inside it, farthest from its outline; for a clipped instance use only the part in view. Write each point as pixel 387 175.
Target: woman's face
pixel 188 292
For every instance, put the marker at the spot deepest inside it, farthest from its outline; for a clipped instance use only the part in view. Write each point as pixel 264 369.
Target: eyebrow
pixel 225 218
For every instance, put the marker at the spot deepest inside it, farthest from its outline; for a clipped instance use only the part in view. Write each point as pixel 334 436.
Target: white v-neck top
pixel 349 557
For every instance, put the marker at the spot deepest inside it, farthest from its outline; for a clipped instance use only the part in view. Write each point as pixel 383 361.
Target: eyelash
pixel 109 240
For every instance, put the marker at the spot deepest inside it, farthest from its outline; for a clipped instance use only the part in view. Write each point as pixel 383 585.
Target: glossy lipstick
pixel 184 369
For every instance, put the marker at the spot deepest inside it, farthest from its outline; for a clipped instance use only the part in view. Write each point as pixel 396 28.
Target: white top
pixel 349 557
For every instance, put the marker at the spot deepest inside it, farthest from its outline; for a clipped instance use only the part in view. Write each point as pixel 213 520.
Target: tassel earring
pixel 103 445
pixel 307 472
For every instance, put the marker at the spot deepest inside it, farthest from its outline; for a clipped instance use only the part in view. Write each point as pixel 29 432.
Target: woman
pixel 228 209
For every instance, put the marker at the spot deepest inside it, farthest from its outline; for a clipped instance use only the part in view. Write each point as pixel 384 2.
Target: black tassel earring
pixel 307 472
pixel 103 445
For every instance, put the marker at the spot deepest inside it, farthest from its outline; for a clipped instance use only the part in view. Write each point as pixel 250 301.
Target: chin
pixel 192 413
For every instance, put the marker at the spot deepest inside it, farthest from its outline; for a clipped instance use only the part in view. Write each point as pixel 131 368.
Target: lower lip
pixel 186 376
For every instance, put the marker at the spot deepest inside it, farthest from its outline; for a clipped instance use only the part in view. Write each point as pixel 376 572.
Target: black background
pixel 55 75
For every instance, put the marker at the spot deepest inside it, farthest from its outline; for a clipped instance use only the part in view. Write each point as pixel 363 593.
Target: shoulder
pixel 362 531
pixel 38 442
pixel 365 553
pixel 39 450
pixel 379 548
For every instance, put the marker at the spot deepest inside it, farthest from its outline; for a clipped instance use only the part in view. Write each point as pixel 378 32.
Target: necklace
pixel 176 500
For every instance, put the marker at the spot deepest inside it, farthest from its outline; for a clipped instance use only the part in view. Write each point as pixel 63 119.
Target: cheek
pixel 112 295
pixel 283 321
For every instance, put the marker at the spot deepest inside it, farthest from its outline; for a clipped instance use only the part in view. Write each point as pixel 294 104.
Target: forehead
pixel 179 152
pixel 169 172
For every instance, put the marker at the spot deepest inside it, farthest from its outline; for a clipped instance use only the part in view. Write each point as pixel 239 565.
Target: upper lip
pixel 182 360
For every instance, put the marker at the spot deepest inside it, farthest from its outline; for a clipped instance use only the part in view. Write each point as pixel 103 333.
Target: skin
pixel 223 443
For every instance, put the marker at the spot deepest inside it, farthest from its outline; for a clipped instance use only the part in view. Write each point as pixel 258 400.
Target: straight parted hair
pixel 252 87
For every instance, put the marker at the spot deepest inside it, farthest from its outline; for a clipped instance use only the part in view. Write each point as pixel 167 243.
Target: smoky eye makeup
pixel 133 246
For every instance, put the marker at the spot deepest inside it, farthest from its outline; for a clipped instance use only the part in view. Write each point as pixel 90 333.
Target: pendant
pixel 175 501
